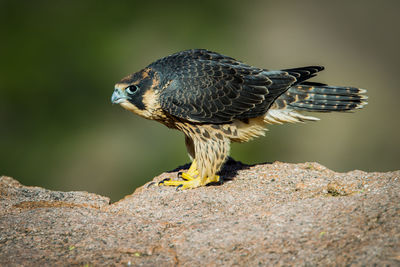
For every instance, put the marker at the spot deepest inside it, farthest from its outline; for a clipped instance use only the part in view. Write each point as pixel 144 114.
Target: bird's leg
pixel 191 182
pixel 191 173
pixel 210 156
pixel 191 178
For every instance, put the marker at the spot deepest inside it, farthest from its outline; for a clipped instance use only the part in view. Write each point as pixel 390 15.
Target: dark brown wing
pixel 207 87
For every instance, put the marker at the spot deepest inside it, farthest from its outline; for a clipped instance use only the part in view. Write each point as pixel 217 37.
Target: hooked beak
pixel 119 96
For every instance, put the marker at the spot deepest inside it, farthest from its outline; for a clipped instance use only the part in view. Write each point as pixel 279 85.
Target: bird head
pixel 137 92
pixel 124 93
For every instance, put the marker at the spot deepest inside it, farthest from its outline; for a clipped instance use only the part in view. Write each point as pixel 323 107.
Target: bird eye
pixel 131 89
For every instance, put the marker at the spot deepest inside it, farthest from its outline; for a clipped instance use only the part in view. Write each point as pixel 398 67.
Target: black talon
pixel 179 186
pixel 166 179
pixel 150 184
pixel 180 174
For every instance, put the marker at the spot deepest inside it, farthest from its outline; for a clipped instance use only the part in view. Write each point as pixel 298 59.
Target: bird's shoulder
pixel 201 63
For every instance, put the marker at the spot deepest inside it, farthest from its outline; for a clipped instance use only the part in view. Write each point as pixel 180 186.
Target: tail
pixel 318 97
pixel 314 97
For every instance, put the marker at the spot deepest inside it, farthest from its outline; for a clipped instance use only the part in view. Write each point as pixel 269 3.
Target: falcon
pixel 215 100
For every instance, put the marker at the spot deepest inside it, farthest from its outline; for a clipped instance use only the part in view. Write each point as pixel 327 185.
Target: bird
pixel 216 100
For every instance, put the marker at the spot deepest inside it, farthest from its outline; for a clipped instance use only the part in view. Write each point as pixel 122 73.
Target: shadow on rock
pixel 228 172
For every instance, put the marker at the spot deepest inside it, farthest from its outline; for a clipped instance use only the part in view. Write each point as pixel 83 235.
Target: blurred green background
pixel 59 61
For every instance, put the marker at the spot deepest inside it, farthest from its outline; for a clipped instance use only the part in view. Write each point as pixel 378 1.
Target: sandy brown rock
pixel 282 214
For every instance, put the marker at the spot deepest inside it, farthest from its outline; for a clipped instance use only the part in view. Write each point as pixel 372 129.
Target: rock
pixel 267 214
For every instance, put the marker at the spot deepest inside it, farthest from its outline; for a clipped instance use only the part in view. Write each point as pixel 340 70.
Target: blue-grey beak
pixel 119 96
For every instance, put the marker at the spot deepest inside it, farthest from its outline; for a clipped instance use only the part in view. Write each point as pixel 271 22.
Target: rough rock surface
pixel 267 214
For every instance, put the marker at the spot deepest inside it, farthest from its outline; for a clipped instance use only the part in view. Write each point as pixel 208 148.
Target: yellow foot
pixel 190 182
pixel 187 175
pixel 191 172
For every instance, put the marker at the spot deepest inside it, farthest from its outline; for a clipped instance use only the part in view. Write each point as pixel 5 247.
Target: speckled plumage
pixel 215 99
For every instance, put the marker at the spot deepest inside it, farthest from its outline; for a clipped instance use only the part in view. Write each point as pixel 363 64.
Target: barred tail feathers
pixel 314 97
pixel 324 98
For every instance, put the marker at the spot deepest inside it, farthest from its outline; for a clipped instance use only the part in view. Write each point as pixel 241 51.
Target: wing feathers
pixel 204 86
pixel 210 88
